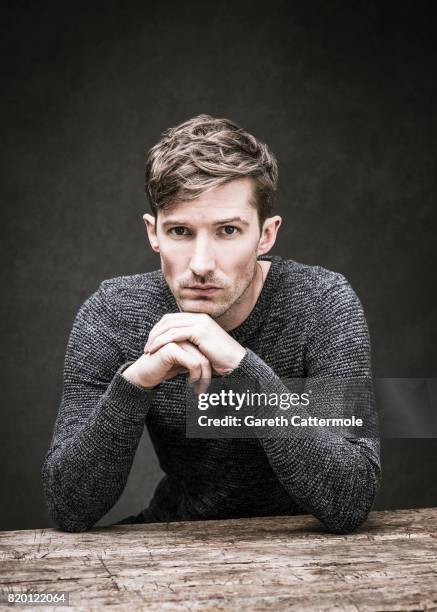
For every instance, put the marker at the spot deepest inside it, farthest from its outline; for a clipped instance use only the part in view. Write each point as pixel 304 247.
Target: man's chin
pixel 202 306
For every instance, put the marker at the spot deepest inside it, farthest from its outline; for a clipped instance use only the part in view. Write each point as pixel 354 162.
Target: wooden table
pixel 280 563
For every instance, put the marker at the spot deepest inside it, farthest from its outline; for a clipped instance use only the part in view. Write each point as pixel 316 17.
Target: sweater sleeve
pixel 99 424
pixel 334 478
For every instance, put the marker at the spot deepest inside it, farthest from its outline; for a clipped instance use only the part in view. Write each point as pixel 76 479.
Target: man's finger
pixel 165 325
pixel 178 334
pixel 191 362
pixel 200 386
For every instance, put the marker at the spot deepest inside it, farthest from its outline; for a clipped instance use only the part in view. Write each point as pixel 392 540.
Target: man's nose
pixel 202 260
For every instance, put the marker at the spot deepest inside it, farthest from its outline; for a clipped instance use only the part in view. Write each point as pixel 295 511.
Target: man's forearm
pixel 335 479
pixel 85 473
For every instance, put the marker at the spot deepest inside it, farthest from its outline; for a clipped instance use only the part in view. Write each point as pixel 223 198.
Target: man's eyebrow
pixel 220 222
pixel 232 220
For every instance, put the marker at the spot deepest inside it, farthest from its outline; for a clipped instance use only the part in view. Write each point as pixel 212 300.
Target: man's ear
pixel 150 223
pixel 268 234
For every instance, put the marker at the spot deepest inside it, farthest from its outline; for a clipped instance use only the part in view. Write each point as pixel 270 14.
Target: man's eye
pixel 230 230
pixel 178 231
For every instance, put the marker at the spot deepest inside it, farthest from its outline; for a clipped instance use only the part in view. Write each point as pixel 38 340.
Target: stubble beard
pixel 233 301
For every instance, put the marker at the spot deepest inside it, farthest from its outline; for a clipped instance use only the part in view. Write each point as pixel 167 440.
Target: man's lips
pixel 203 289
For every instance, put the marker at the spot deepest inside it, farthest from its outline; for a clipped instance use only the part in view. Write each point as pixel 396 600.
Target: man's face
pixel 208 248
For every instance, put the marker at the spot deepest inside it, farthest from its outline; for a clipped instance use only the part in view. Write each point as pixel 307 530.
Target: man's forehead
pixel 232 199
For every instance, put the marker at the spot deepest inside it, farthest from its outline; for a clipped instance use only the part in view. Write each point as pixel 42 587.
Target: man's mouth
pixel 203 289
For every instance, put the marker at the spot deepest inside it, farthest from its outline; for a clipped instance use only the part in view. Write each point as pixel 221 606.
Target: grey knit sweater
pixel 307 322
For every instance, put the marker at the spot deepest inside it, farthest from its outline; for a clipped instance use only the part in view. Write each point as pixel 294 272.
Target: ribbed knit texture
pixel 307 322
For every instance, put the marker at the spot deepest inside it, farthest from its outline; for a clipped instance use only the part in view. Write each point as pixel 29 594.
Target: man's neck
pixel 244 306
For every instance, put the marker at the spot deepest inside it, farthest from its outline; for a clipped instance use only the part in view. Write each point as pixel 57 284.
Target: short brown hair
pixel 205 152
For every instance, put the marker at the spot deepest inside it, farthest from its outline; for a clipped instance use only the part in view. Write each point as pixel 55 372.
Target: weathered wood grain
pixel 280 563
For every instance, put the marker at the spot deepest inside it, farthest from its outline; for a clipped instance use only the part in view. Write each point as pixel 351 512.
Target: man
pixel 219 306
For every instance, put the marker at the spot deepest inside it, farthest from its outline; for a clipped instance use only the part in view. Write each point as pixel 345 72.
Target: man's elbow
pixel 351 514
pixel 69 522
pixel 348 518
pixel 71 527
pixel 65 515
pixel 345 525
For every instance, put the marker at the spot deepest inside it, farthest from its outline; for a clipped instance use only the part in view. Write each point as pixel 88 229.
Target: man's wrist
pixel 237 360
pixel 131 375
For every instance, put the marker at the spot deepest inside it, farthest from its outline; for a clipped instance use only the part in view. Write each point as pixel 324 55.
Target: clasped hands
pixel 186 342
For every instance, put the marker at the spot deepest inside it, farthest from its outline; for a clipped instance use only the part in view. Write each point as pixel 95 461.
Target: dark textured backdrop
pixel 344 93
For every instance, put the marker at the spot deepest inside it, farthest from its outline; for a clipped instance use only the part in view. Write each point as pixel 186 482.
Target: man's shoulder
pixel 130 290
pixel 145 281
pixel 308 278
pixel 314 290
